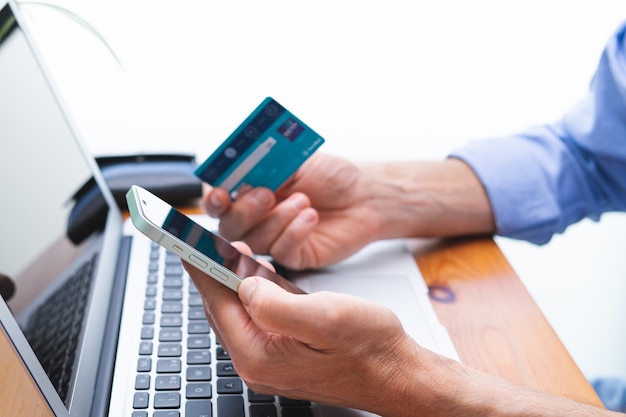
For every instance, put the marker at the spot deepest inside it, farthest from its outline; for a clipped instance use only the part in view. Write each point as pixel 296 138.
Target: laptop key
pixel 167 400
pixel 198 357
pixel 170 350
pixel 153 278
pixel 195 301
pixel 199 408
pixel 229 386
pixel 297 412
pixel 198 373
pixel 140 400
pixel 170 282
pixel 171 307
pixel 222 354
pixel 288 402
pixel 196 313
pixel 198 342
pixel 255 397
pixel 198 327
pixel 147 332
pixel 226 369
pixel 166 413
pixel 230 405
pixel 144 364
pixel 199 390
pixel 172 295
pixel 142 381
pixel 148 318
pixel 167 383
pixel 171 320
pixel 145 348
pixel 173 270
pixel 168 366
pixel 263 410
pixel 170 335
pixel 151 291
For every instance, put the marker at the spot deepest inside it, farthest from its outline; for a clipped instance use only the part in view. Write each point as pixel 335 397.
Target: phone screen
pixel 212 245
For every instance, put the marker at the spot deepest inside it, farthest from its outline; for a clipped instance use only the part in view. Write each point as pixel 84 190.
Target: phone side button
pixel 219 274
pixel 198 261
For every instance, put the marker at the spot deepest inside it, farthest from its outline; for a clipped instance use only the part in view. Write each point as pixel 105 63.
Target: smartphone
pixel 202 248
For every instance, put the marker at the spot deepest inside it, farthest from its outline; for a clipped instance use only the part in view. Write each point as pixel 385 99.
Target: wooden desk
pixel 494 324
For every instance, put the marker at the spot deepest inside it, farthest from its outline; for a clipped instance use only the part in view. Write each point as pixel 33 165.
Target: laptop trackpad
pixel 393 291
pixel 385 273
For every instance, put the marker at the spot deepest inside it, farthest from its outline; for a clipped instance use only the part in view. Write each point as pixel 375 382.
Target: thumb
pixel 266 303
pixel 246 289
pixel 275 310
pixel 314 319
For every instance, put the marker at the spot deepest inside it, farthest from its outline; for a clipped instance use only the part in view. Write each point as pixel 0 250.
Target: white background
pixel 379 80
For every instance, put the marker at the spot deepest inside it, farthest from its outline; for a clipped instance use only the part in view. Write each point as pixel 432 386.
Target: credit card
pixel 264 151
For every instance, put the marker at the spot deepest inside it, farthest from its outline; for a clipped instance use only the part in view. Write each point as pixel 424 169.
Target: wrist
pixel 420 382
pixel 425 199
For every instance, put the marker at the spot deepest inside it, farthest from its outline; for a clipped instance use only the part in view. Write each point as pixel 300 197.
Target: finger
pixel 247 211
pixel 245 250
pixel 289 248
pixel 216 202
pixel 242 247
pixel 262 237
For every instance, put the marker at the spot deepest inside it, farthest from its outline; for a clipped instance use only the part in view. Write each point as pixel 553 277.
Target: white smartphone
pixel 207 251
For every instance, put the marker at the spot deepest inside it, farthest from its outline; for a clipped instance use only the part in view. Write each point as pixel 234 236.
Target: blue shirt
pixel 548 177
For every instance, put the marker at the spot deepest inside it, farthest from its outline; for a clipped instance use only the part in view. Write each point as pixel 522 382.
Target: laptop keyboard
pixel 54 328
pixel 181 368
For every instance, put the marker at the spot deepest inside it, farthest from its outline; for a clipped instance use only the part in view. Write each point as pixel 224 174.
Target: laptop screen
pixel 52 214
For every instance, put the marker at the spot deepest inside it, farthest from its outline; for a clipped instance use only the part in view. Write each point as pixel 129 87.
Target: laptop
pixel 107 323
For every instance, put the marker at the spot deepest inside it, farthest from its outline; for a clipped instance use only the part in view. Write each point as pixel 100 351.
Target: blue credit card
pixel 262 152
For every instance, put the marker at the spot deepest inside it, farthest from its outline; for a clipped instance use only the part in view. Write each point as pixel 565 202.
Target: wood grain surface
pixel 493 321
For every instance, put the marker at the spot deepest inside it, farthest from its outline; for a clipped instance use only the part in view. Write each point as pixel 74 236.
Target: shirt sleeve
pixel 542 180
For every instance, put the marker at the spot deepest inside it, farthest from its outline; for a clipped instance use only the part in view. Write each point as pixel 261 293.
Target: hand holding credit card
pixel 264 151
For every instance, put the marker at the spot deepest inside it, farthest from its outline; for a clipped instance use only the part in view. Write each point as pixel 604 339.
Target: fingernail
pixel 300 202
pixel 215 202
pixel 308 216
pixel 262 197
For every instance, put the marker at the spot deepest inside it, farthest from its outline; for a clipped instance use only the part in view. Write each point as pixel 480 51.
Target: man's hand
pixel 318 217
pixel 331 208
pixel 294 344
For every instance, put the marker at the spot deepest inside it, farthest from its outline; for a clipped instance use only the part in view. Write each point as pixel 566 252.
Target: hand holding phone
pixel 207 251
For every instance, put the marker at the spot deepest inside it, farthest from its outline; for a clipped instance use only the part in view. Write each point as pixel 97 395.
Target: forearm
pixel 436 386
pixel 490 396
pixel 425 199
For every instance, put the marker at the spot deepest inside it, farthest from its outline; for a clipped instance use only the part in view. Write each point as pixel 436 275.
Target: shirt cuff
pixel 515 174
